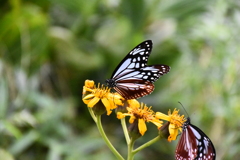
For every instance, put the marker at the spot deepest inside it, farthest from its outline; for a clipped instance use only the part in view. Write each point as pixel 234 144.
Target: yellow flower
pixel 176 121
pixel 127 103
pixel 140 114
pixel 100 98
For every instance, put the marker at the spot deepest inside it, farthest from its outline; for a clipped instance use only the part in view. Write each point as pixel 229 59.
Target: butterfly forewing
pixel 133 78
pixel 194 144
pixel 136 58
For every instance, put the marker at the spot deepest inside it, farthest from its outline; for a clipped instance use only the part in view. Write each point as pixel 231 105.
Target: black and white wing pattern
pixel 133 78
pixel 194 144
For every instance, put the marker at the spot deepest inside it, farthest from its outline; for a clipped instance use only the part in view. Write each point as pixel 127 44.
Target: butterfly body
pixel 133 78
pixel 194 144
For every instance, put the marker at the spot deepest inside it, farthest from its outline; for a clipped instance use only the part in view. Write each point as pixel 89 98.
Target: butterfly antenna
pixel 183 108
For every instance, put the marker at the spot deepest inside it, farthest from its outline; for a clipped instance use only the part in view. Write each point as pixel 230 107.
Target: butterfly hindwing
pixel 132 90
pixel 153 72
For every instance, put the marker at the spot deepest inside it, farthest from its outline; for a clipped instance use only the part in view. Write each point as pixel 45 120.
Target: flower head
pixel 176 121
pixel 99 98
pixel 139 115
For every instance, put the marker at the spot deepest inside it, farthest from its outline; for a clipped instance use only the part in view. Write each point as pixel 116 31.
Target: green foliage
pixel 49 48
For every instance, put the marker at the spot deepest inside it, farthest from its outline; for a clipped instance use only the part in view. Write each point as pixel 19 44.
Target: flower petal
pixel 173 131
pixel 132 119
pixel 160 115
pixel 89 83
pixel 107 105
pixel 93 102
pixel 133 103
pixel 120 115
pixel 157 122
pixel 142 126
pixel 88 98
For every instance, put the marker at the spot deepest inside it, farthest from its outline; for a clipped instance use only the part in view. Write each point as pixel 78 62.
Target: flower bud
pixel 134 131
pixel 164 131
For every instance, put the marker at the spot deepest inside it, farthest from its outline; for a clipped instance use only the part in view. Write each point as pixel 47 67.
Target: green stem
pixel 130 150
pixel 125 130
pixel 109 144
pixel 92 114
pixel 146 144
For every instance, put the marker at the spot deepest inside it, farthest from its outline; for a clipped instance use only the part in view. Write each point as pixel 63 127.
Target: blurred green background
pixel 49 48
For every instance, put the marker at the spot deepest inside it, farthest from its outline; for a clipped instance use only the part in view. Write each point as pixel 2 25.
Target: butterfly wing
pixel 137 58
pixel 154 72
pixel 133 89
pixel 194 144
pixel 206 149
pixel 133 78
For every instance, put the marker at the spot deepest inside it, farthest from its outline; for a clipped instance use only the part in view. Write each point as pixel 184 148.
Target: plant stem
pixel 109 144
pixel 130 150
pixel 146 144
pixel 92 114
pixel 125 130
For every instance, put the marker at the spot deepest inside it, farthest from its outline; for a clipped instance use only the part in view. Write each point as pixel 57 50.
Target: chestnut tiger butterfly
pixel 133 78
pixel 194 144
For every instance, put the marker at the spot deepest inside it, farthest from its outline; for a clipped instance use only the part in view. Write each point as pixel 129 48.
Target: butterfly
pixel 194 144
pixel 133 78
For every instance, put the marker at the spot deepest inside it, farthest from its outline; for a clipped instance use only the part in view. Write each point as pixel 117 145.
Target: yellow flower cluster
pixel 102 100
pixel 140 113
pixel 100 96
